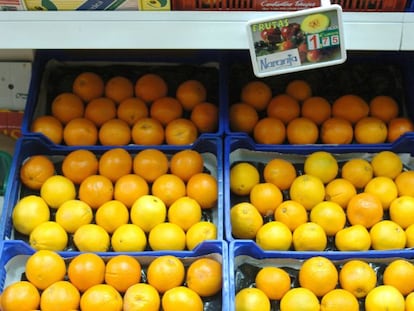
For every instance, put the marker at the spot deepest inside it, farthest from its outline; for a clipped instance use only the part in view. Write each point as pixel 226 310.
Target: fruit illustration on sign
pixel 315 23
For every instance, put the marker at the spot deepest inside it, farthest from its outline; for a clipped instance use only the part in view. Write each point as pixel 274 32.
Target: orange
pixel 358 277
pixel 48 235
pixel 308 190
pixel 242 117
pixel 88 85
pixel 243 177
pixel 401 211
pixel 336 131
pixel 405 183
pixel 329 215
pixel 95 190
pixel 129 188
pixel 386 235
pixel 79 164
pixel 350 107
pixel 364 209
pixel 245 220
pixel 45 267
pixel 200 232
pixel 91 238
pixel 150 163
pixel 191 93
pixel 122 271
pixel 131 110
pixel 21 295
pixel 383 298
pixel 166 109
pixel 291 213
pixel 29 212
pixel 358 171
pixel 150 87
pixel 115 163
pixel 409 232
pixel 269 131
pixel 61 295
pixel 184 212
pixel 204 276
pixel 273 281
pixel 398 127
pixel 384 188
pixel 114 132
pixel 319 275
pixel 181 298
pixel 387 163
pixel 49 126
pixel 302 131
pixel 168 188
pixel 299 89
pixel 299 298
pixel 186 163
pixel 80 131
pixel 67 106
pixel 36 170
pixel 111 215
pixel 205 116
pixel 266 197
pixel 102 297
pixel 321 164
pixel 148 211
pixel 384 107
pixel 167 236
pixel 283 107
pixel 309 236
pixel 340 191
pixel 370 130
pixel 147 131
pixel 399 274
pixel 251 299
pixel 100 110
pixel 57 189
pixel 165 272
pixel 141 296
pixel 128 238
pixel 274 235
pixel 280 172
pixel 317 109
pixel 181 131
pixel 203 188
pixel 256 94
pixel 85 270
pixel 339 299
pixel 119 88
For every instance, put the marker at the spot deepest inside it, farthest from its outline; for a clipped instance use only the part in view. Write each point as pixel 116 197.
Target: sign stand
pixel 297 41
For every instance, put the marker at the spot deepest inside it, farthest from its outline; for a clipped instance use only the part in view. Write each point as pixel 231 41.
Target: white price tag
pixel 297 41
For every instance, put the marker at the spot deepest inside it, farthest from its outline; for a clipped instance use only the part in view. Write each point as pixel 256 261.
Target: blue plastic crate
pixel 210 148
pixel 14 254
pixel 246 258
pixel 363 74
pixel 238 149
pixel 53 73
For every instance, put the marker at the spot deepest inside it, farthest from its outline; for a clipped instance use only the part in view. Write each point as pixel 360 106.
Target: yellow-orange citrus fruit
pixel 141 296
pixel 204 276
pixel 128 238
pixel 384 107
pixel 48 235
pixel 72 214
pixel 80 132
pixel 119 88
pixel 181 131
pixel 150 87
pixel 57 189
pixel 256 94
pixel 291 213
pixel 302 131
pixel 91 238
pixel 299 89
pixel 88 85
pixel 358 171
pixel 384 297
pixel 280 172
pixel 399 274
pixel 274 235
pixel 384 188
pixel 299 298
pixel 166 109
pixel 181 298
pixel 205 116
pixel 79 164
pixel 67 106
pixel 387 163
pixel 401 211
pixel 266 197
pixel 168 188
pixel 115 163
pixel 29 212
pixel 353 238
pixel 148 211
pixel 405 183
pixel 199 232
pixel 358 277
pixel 167 236
pixel 269 130
pixel 309 237
pixel 370 130
pixel 61 295
pixel 101 297
pixel 250 299
pixel 21 295
pixel 321 164
pixel 336 131
pixel 243 177
pixel 386 235
pixel 190 93
pixel 316 108
pixel 50 127
pixel 283 107
pixel 99 110
pixel 398 127
pixel 350 107
pixel 340 191
pixel 364 209
pixel 186 163
pixel 129 188
pixel 329 215
pixel 339 299
pixel 308 190
pixel 85 270
pixel 36 170
pixel 203 188
pixel 147 131
pixel 131 110
pixel 95 190
pixel 122 271
pixel 165 272
pixel 150 163
pixel 273 281
pixel 114 132
pixel 243 117
pixel 245 220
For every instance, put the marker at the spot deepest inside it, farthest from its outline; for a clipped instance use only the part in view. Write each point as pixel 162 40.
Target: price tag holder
pixel 297 41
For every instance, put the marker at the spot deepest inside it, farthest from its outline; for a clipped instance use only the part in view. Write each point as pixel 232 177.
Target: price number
pixel 318 41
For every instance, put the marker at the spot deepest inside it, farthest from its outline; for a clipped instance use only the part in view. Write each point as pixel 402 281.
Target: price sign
pixel 297 41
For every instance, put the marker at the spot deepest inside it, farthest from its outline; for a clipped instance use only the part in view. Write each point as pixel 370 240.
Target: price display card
pixel 297 41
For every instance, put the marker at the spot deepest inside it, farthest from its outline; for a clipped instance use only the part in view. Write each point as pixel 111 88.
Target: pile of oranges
pixel 118 201
pixel 319 283
pixel 324 203
pixel 297 116
pixel 120 282
pixel 120 112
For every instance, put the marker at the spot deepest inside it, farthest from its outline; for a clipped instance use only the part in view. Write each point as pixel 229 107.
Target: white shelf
pixel 178 30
